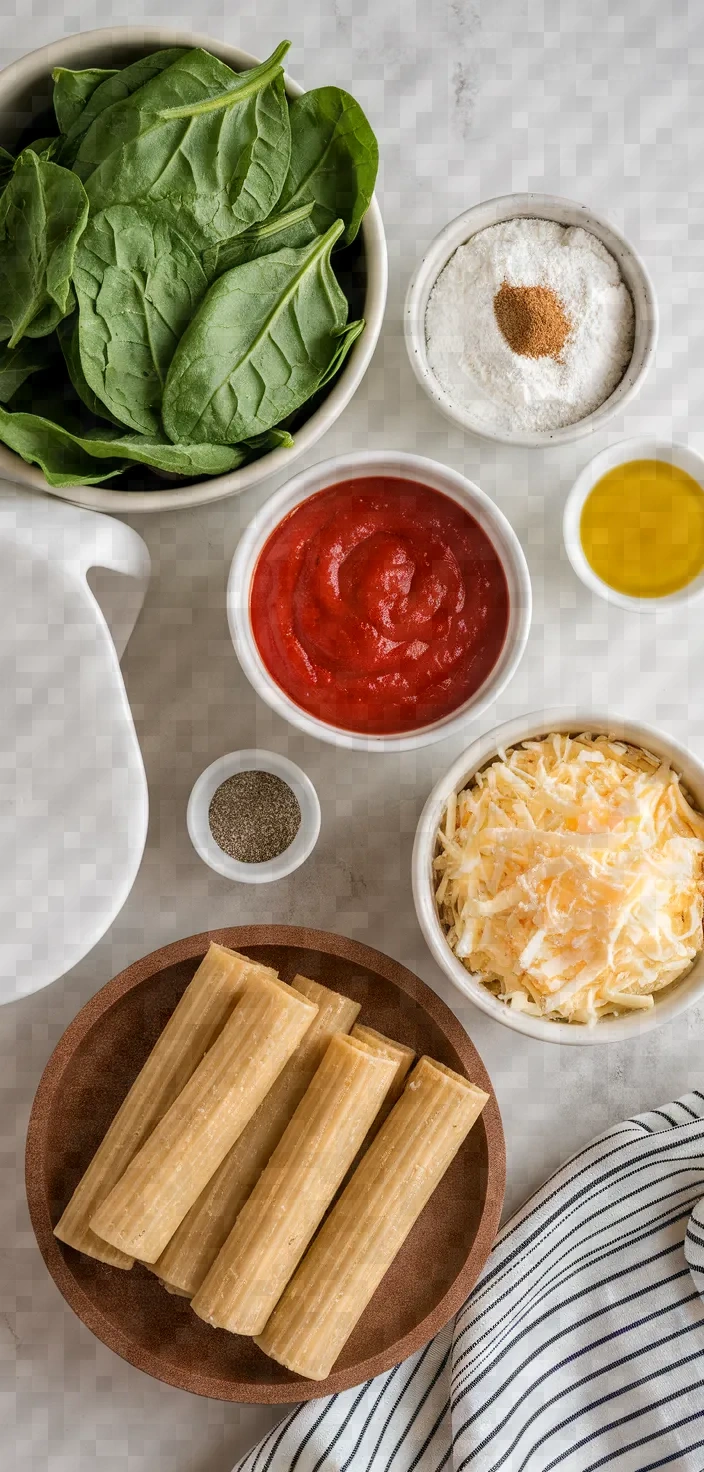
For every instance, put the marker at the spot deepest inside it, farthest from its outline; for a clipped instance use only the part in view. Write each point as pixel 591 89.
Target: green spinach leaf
pixel 138 285
pixel 17 365
pixel 46 148
pixel 293 228
pixel 72 90
pixel 334 159
pixel 55 450
pixel 272 439
pixel 208 146
pixel 67 334
pixel 69 459
pixel 344 340
pixel 161 454
pixel 115 89
pixel 258 347
pixel 43 213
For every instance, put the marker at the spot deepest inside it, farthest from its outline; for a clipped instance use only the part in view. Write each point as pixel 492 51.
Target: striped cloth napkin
pixel 581 1346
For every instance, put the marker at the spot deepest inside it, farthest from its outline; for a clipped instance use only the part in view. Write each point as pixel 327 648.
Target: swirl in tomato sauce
pixel 379 605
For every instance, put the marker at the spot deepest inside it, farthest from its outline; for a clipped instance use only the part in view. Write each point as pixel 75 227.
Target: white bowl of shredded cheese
pixel 553 389
pixel 558 876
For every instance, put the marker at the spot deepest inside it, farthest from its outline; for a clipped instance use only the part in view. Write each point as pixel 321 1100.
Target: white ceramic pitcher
pixel 73 792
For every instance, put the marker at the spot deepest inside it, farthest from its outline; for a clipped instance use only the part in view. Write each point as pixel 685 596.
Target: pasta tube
pixel 402 1056
pixel 276 1224
pixel 144 1209
pixel 362 1235
pixel 196 1243
pixel 200 1015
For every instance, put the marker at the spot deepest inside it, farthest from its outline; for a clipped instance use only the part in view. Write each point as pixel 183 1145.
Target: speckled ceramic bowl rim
pixel 670 1002
pixel 642 447
pixel 565 212
pixel 399 464
pixel 90 48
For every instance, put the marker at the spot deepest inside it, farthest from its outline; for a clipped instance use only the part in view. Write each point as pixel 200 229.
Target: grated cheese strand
pixel 570 877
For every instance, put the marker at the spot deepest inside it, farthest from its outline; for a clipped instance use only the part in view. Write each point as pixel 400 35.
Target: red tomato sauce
pixel 379 605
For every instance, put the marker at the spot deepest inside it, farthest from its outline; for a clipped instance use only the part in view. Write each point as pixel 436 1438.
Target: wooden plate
pixel 89 1074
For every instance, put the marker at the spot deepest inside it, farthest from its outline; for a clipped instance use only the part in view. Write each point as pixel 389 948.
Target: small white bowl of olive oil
pixel 634 525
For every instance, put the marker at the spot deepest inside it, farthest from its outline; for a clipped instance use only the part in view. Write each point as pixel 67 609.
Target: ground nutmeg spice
pixel 254 816
pixel 532 319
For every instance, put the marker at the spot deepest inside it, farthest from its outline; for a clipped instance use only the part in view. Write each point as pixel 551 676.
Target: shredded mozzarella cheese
pixel 570 877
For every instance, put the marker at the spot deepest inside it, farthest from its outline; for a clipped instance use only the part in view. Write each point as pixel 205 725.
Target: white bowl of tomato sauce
pixel 379 601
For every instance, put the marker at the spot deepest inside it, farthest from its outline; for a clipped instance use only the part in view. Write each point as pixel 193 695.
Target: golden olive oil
pixel 642 528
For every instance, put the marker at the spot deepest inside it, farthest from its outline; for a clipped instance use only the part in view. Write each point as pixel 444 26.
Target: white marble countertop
pixel 601 103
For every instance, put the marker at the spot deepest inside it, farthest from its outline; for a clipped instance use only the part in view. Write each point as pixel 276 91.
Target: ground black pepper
pixel 254 816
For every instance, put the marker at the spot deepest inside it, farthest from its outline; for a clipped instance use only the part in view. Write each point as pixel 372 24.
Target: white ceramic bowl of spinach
pixel 136 305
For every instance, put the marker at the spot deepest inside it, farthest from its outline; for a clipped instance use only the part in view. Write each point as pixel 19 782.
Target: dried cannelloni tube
pixel 200 1015
pixel 290 1198
pixel 196 1243
pixel 403 1057
pixel 168 1174
pixel 364 1231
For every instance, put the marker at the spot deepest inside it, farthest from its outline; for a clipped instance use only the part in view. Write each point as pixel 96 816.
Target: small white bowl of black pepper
pixel 253 816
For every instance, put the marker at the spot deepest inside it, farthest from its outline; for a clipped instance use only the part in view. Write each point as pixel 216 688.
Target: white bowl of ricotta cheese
pixel 578 297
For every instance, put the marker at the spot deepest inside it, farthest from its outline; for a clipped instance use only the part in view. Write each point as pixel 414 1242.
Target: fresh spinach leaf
pixel 115 89
pixel 272 439
pixel 209 147
pixel 344 340
pixel 46 148
pixel 48 319
pixel 293 228
pixel 334 159
pixel 67 334
pixel 55 450
pixel 161 454
pixel 193 81
pixel 72 90
pixel 43 213
pixel 258 347
pixel 17 365
pixel 69 459
pixel 138 285
pixel 51 395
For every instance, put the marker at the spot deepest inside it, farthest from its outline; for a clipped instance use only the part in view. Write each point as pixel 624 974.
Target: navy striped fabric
pixel 581 1346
